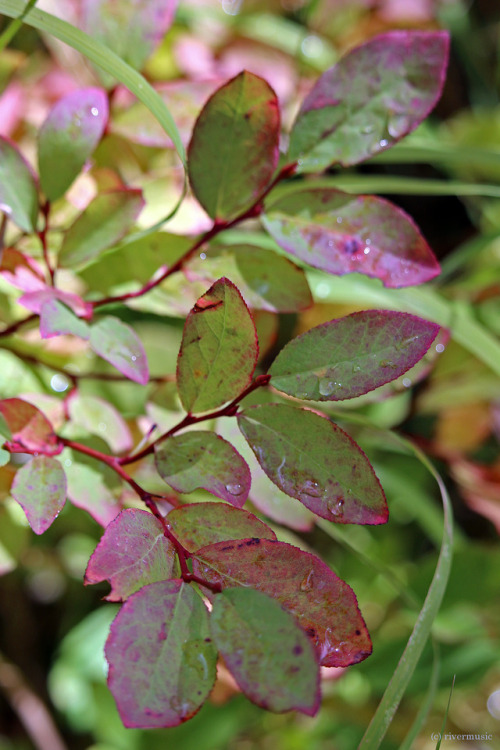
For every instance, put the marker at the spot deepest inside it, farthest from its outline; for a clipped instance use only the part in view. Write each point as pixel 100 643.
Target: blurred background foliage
pixel 446 176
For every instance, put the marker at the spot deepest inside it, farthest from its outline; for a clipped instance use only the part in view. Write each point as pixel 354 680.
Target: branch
pixel 19 324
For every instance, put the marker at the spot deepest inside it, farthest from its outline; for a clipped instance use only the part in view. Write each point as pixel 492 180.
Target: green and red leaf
pixel 119 345
pixel 40 489
pixel 29 428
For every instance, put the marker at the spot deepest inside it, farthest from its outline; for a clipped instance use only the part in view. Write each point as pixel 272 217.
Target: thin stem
pixel 42 235
pixel 16 326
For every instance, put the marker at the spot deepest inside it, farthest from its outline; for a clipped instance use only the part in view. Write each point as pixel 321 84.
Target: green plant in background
pixel 200 578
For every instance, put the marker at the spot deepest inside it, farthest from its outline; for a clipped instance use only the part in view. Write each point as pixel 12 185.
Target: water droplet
pixel 398 126
pixel 368 242
pixel 94 111
pixel 203 256
pixel 339 219
pixel 327 387
pixel 367 129
pixel 133 358
pixel 387 363
pixel 335 505
pixel 311 488
pixel 330 243
pixel 68 462
pixel 322 290
pixel 406 382
pixel 439 348
pixel 366 251
pixel 311 46
pixel 59 383
pixel 356 368
pixel 234 489
pixel 307 581
pixel 383 143
pixel 102 426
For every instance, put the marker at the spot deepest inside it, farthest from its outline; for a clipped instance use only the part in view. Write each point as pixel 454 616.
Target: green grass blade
pixel 428 152
pixel 396 688
pixel 445 717
pixel 105 59
pixel 426 706
pixel 9 33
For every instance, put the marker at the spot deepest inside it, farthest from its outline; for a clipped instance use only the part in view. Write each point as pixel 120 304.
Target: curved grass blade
pixel 14 26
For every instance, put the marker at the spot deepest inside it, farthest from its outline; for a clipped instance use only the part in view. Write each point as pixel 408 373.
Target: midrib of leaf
pixel 147 552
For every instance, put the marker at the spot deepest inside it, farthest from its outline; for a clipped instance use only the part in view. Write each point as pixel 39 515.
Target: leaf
pixel 267 653
pixel 313 460
pixel 104 222
pixel 4 428
pixel 40 489
pixel 377 94
pixel 118 344
pixel 203 459
pixel 99 417
pixel 18 190
pixel 57 319
pixel 133 552
pixel 324 605
pixel 342 233
pixel 131 28
pixel 234 147
pixel 349 356
pixel 35 300
pixel 88 490
pixel 30 429
pixel 199 524
pixel 266 280
pixel 161 657
pixel 218 351
pixel 21 271
pixel 67 138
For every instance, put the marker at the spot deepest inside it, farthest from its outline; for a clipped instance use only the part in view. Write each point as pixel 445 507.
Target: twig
pixel 16 326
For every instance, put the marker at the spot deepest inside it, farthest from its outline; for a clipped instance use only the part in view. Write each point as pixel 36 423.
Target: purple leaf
pixel 18 190
pixel 234 148
pixel 40 489
pixel 342 233
pixel 266 651
pixel 199 524
pixel 377 94
pixel 161 657
pixel 21 271
pixel 30 429
pixel 118 344
pixel 99 417
pixel 203 459
pixel 347 357
pixel 57 319
pixel 313 460
pixel 35 300
pixel 133 552
pixel 69 135
pixel 324 605
pixel 219 349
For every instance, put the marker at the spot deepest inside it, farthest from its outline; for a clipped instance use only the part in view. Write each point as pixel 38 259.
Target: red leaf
pixel 29 427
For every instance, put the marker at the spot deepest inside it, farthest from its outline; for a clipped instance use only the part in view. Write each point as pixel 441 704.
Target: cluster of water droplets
pixel 312 490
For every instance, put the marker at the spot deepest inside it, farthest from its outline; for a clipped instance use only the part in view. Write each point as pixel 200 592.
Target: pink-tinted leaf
pixel 203 459
pixel 133 552
pixel 118 344
pixel 34 301
pixel 377 94
pixel 347 357
pixel 266 651
pixel 313 460
pixel 130 28
pixel 99 417
pixel 21 271
pixel 161 657
pixel 57 319
pixel 324 605
pixel 342 233
pixel 199 524
pixel 18 190
pixel 219 349
pixel 104 222
pixel 30 429
pixel 88 490
pixel 266 280
pixel 234 148
pixel 40 489
pixel 69 135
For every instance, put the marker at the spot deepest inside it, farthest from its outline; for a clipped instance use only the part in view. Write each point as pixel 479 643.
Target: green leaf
pixel 88 489
pixel 118 344
pixel 4 428
pixel 99 417
pixel 313 460
pixel 234 147
pixel 219 349
pixel 203 459
pixel 40 489
pixel 341 233
pixel 377 94
pixel 18 190
pixel 349 356
pixel 199 524
pixel 57 319
pixel 104 222
pixel 72 130
pixel 266 651
pixel 161 657
pixel 132 552
pixel 4 457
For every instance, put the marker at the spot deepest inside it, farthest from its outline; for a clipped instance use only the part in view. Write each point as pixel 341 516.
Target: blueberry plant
pixel 202 580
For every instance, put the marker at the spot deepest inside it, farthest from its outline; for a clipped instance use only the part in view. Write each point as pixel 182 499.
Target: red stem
pixel 19 324
pixel 42 235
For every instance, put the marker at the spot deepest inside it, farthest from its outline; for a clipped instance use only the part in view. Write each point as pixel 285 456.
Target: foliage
pixel 166 327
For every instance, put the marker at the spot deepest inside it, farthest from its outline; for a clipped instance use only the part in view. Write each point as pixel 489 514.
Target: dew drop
pixel 406 382
pixel 367 129
pixel 102 426
pixel 383 143
pixel 133 358
pixel 94 111
pixel 327 387
pixel 203 256
pixel 311 488
pixel 366 251
pixel 234 489
pixel 307 582
pixel 335 505
pixel 356 368
pixel 439 348
pixel 339 219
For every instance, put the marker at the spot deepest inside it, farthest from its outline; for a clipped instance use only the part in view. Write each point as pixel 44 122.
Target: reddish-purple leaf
pixel 347 357
pixel 68 137
pixel 133 552
pixel 161 657
pixel 377 94
pixel 40 489
pixel 18 189
pixel 266 651
pixel 29 427
pixel 234 148
pixel 57 319
pixel 219 349
pixel 35 300
pixel 324 605
pixel 21 271
pixel 202 459
pixel 313 460
pixel 342 233
pixel 118 344
pixel 199 524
